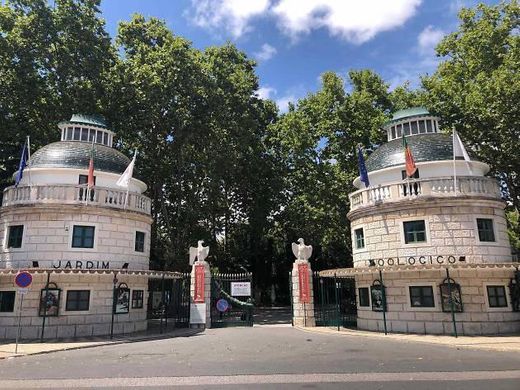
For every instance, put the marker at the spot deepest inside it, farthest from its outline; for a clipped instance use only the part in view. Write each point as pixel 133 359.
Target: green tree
pixel 476 89
pixel 53 62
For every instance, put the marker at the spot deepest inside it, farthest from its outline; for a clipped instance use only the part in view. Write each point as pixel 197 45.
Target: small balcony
pixel 79 194
pixel 441 187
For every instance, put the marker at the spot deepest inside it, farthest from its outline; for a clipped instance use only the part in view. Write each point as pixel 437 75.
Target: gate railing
pixel 228 309
pixel 169 301
pixel 334 301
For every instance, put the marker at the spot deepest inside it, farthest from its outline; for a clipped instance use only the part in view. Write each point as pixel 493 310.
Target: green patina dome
pixel 408 113
pixel 424 147
pixel 92 120
pixel 75 154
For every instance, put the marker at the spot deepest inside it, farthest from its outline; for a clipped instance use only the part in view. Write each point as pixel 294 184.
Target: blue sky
pixel 294 41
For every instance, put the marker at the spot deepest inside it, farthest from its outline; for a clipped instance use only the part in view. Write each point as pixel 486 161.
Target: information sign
pixel 241 289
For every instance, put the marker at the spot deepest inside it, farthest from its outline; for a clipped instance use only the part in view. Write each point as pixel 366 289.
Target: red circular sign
pixel 23 279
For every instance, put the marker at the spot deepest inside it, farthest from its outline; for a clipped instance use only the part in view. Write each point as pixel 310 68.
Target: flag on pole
pixel 363 174
pixel 458 147
pixel 90 181
pixel 23 163
pixel 124 179
pixel 410 163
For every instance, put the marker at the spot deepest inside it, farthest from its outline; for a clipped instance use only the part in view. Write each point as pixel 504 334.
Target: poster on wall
pixel 377 298
pixel 455 297
pixel 49 302
pixel 122 305
pixel 303 280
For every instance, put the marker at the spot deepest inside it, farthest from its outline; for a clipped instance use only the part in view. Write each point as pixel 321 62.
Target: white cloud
pixel 283 102
pixel 353 20
pixel 232 15
pixel 266 92
pixel 266 52
pixel 428 39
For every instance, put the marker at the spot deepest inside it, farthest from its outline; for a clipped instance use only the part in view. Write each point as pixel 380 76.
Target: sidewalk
pixel 34 347
pixel 491 343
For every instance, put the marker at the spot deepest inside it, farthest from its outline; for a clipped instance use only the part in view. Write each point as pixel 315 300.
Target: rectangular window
pixel 429 127
pixel 83 236
pixel 78 300
pixel 399 131
pixel 70 132
pixel 497 296
pixel 414 128
pixel 485 230
pixel 139 241
pixel 406 128
pixel 137 299
pixel 364 300
pixel 7 301
pixel 92 135
pixel 360 238
pixel 84 134
pixel 421 296
pixel 422 127
pixel 393 132
pixel 99 137
pixel 77 133
pixel 15 236
pixel 414 231
pixel 105 139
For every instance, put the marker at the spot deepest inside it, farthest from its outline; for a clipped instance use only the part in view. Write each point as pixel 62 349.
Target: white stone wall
pixel 47 236
pixel 451 229
pixel 476 319
pixel 96 321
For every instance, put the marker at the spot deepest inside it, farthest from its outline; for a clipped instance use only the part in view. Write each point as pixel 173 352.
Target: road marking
pixel 258 379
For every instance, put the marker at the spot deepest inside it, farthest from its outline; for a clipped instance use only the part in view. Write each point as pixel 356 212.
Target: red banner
pixel 303 279
pixel 199 284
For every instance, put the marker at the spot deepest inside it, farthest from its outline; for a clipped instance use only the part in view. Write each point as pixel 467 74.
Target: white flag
pixel 124 179
pixel 458 147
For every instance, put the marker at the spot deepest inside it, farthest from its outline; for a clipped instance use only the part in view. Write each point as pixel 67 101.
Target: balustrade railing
pixel 416 188
pixel 79 194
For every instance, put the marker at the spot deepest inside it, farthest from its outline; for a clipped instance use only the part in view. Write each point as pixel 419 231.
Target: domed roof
pixel 83 119
pixel 424 147
pixel 408 113
pixel 74 154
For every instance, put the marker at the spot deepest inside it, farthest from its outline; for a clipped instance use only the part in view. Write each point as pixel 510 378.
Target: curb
pixel 110 342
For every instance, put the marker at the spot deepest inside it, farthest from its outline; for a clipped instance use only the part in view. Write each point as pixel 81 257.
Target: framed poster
pixel 49 302
pixel 376 292
pixel 122 303
pixel 455 297
pixel 303 280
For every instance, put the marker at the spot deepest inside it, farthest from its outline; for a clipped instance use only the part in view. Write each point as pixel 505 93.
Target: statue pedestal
pixel 302 294
pixel 200 293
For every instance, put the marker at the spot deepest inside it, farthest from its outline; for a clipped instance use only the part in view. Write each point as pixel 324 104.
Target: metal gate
pixel 231 301
pixel 169 300
pixel 334 301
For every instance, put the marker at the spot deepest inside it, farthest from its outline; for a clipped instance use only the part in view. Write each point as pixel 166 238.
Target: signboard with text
pixel 199 284
pixel 241 289
pixel 303 280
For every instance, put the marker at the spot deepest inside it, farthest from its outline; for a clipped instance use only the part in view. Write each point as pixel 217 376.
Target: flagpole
pixel 454 165
pixel 29 157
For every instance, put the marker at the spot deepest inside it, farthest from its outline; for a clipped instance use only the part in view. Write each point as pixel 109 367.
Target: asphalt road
pixel 266 358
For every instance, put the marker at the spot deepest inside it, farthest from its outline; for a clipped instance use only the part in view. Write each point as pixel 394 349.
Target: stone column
pixel 200 315
pixel 303 312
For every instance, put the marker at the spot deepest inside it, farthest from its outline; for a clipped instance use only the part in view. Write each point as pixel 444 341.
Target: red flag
pixel 90 182
pixel 410 163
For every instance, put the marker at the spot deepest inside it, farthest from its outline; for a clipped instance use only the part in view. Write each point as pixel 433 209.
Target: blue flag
pixel 23 163
pixel 363 174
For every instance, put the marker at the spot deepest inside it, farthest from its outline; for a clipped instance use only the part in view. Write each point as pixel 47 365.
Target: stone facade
pixel 93 322
pixel 451 229
pixel 47 237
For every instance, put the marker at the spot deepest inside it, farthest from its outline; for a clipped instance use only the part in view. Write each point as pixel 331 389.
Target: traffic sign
pixel 222 305
pixel 23 291
pixel 23 279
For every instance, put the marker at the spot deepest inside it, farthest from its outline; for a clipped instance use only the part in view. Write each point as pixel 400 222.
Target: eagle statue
pixel 200 252
pixel 301 251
